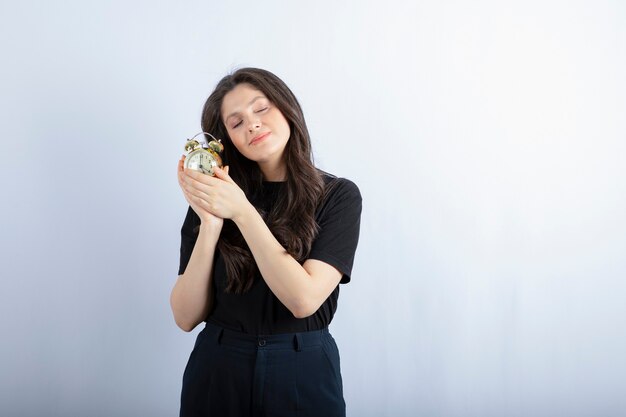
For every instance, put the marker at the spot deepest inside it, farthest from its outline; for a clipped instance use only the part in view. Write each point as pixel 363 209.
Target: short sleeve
pixel 339 219
pixel 188 237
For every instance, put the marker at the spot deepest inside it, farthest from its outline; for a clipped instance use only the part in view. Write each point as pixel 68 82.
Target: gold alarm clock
pixel 203 158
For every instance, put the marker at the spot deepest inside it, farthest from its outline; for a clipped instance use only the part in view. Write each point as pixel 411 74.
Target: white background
pixel 488 141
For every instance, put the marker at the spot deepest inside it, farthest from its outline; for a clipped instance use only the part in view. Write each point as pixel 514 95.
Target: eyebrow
pixel 249 104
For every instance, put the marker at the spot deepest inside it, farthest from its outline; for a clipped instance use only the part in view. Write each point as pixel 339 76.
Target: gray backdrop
pixel 487 139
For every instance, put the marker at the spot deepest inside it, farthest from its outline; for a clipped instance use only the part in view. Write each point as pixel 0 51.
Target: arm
pixel 301 288
pixel 192 297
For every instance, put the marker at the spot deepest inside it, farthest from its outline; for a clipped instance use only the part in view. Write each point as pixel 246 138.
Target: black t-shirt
pixel 258 311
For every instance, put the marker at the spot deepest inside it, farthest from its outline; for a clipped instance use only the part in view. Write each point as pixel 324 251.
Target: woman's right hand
pixel 206 217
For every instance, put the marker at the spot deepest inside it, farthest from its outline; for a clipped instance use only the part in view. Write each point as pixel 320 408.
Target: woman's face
pixel 255 125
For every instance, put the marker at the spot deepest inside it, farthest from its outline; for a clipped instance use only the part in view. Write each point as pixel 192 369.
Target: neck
pixel 273 172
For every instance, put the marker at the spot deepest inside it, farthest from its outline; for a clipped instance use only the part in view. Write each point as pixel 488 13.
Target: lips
pixel 259 138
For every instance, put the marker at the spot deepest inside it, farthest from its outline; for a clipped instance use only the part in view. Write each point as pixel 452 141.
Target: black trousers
pixel 236 374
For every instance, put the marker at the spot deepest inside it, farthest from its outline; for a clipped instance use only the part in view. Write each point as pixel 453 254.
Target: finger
pixel 187 196
pixel 195 202
pixel 191 175
pixel 222 174
pixel 189 183
pixel 201 178
pixel 181 179
pixel 181 170
pixel 196 193
pixel 201 202
pixel 193 199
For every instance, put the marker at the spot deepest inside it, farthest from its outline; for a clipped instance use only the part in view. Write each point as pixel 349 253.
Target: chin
pixel 266 155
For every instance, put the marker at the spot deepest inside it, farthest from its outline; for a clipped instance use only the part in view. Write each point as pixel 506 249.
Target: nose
pixel 254 124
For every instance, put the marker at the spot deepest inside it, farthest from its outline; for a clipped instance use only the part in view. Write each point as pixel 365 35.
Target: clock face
pixel 200 160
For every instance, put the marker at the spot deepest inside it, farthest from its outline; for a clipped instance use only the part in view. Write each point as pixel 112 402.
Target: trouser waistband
pixel 296 341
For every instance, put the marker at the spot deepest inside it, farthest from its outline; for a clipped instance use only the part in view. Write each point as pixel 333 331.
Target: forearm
pixel 192 298
pixel 285 277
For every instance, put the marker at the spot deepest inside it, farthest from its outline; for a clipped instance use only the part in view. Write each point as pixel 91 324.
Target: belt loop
pixel 297 339
pixel 219 336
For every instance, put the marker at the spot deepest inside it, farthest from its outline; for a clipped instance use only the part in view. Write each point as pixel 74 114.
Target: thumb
pixel 222 174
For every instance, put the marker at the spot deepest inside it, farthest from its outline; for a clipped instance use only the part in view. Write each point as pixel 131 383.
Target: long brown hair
pixel 292 217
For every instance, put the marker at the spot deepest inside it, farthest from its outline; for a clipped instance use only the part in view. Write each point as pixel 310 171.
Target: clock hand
pixel 203 170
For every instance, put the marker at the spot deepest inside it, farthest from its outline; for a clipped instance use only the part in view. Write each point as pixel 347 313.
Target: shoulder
pixel 339 186
pixel 339 193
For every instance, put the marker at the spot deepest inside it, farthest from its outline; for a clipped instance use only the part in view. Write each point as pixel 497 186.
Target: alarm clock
pixel 205 157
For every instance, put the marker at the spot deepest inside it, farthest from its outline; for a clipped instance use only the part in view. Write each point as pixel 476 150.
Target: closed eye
pixel 257 111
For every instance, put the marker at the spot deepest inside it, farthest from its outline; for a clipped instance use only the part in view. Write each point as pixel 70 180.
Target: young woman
pixel 265 244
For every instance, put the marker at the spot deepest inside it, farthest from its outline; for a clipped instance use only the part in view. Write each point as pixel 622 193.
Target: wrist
pixel 245 214
pixel 211 228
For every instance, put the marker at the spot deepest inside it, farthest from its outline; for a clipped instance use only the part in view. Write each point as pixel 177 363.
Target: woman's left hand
pixel 225 198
